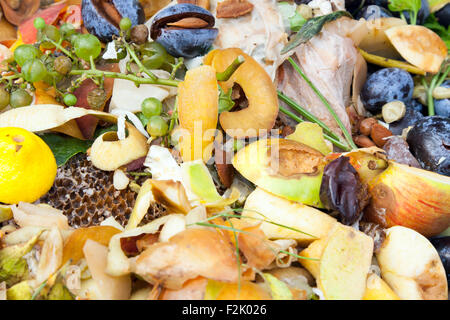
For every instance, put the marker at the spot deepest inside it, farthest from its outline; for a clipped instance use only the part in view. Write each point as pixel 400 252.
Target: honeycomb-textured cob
pixel 87 195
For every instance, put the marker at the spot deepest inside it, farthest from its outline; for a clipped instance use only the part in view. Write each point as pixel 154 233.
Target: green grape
pixel 67 30
pixel 25 52
pixel 39 23
pixel 70 99
pixel 86 46
pixel 153 55
pixel 157 127
pixel 52 33
pixel 62 65
pixel 20 98
pixel 125 24
pixel 4 98
pixel 151 107
pixel 34 70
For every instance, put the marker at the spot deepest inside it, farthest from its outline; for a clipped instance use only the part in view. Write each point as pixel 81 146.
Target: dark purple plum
pixel 429 142
pixel 373 12
pixel 410 119
pixel 386 85
pixel 416 105
pixel 442 106
pixel 183 42
pixel 443 15
pixel 98 23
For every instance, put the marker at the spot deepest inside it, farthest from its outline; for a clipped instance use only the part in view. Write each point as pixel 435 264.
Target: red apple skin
pixel 410 197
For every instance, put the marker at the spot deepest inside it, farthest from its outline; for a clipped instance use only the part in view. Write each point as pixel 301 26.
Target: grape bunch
pixel 64 58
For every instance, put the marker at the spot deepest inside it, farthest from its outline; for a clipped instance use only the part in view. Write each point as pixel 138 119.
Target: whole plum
pixel 429 142
pixel 410 118
pixel 386 85
pixel 442 106
pixel 443 15
pixel 373 12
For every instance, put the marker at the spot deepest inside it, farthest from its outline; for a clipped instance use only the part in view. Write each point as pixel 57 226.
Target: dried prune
pixel 342 190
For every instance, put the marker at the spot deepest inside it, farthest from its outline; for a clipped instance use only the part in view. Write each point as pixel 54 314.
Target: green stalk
pixel 305 113
pixel 337 143
pixel 225 75
pixel 62 49
pixel 138 62
pixel 347 136
pixel 130 77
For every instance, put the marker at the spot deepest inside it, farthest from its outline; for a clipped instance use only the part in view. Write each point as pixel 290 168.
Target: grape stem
pixel 137 61
pixel 137 80
pixel 62 49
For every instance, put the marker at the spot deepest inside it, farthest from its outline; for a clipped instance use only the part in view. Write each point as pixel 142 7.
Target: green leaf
pixel 225 101
pixel 433 24
pixel 144 120
pixel 311 28
pixel 413 6
pixel 65 147
pixel 297 21
pixel 290 15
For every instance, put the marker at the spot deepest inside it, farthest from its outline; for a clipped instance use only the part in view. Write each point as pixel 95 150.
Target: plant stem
pixel 309 116
pixel 225 75
pixel 337 143
pixel 176 67
pixel 130 77
pixel 62 49
pixel 138 62
pixel 347 135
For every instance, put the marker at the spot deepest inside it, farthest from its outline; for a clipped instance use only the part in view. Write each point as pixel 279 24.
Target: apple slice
pixel 410 197
pixel 411 266
pixel 419 46
pixel 345 263
pixel 263 205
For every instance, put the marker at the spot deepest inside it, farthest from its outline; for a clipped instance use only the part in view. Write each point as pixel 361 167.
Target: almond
pixel 233 8
pixel 363 141
pixel 365 127
pixel 189 23
pixel 379 133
